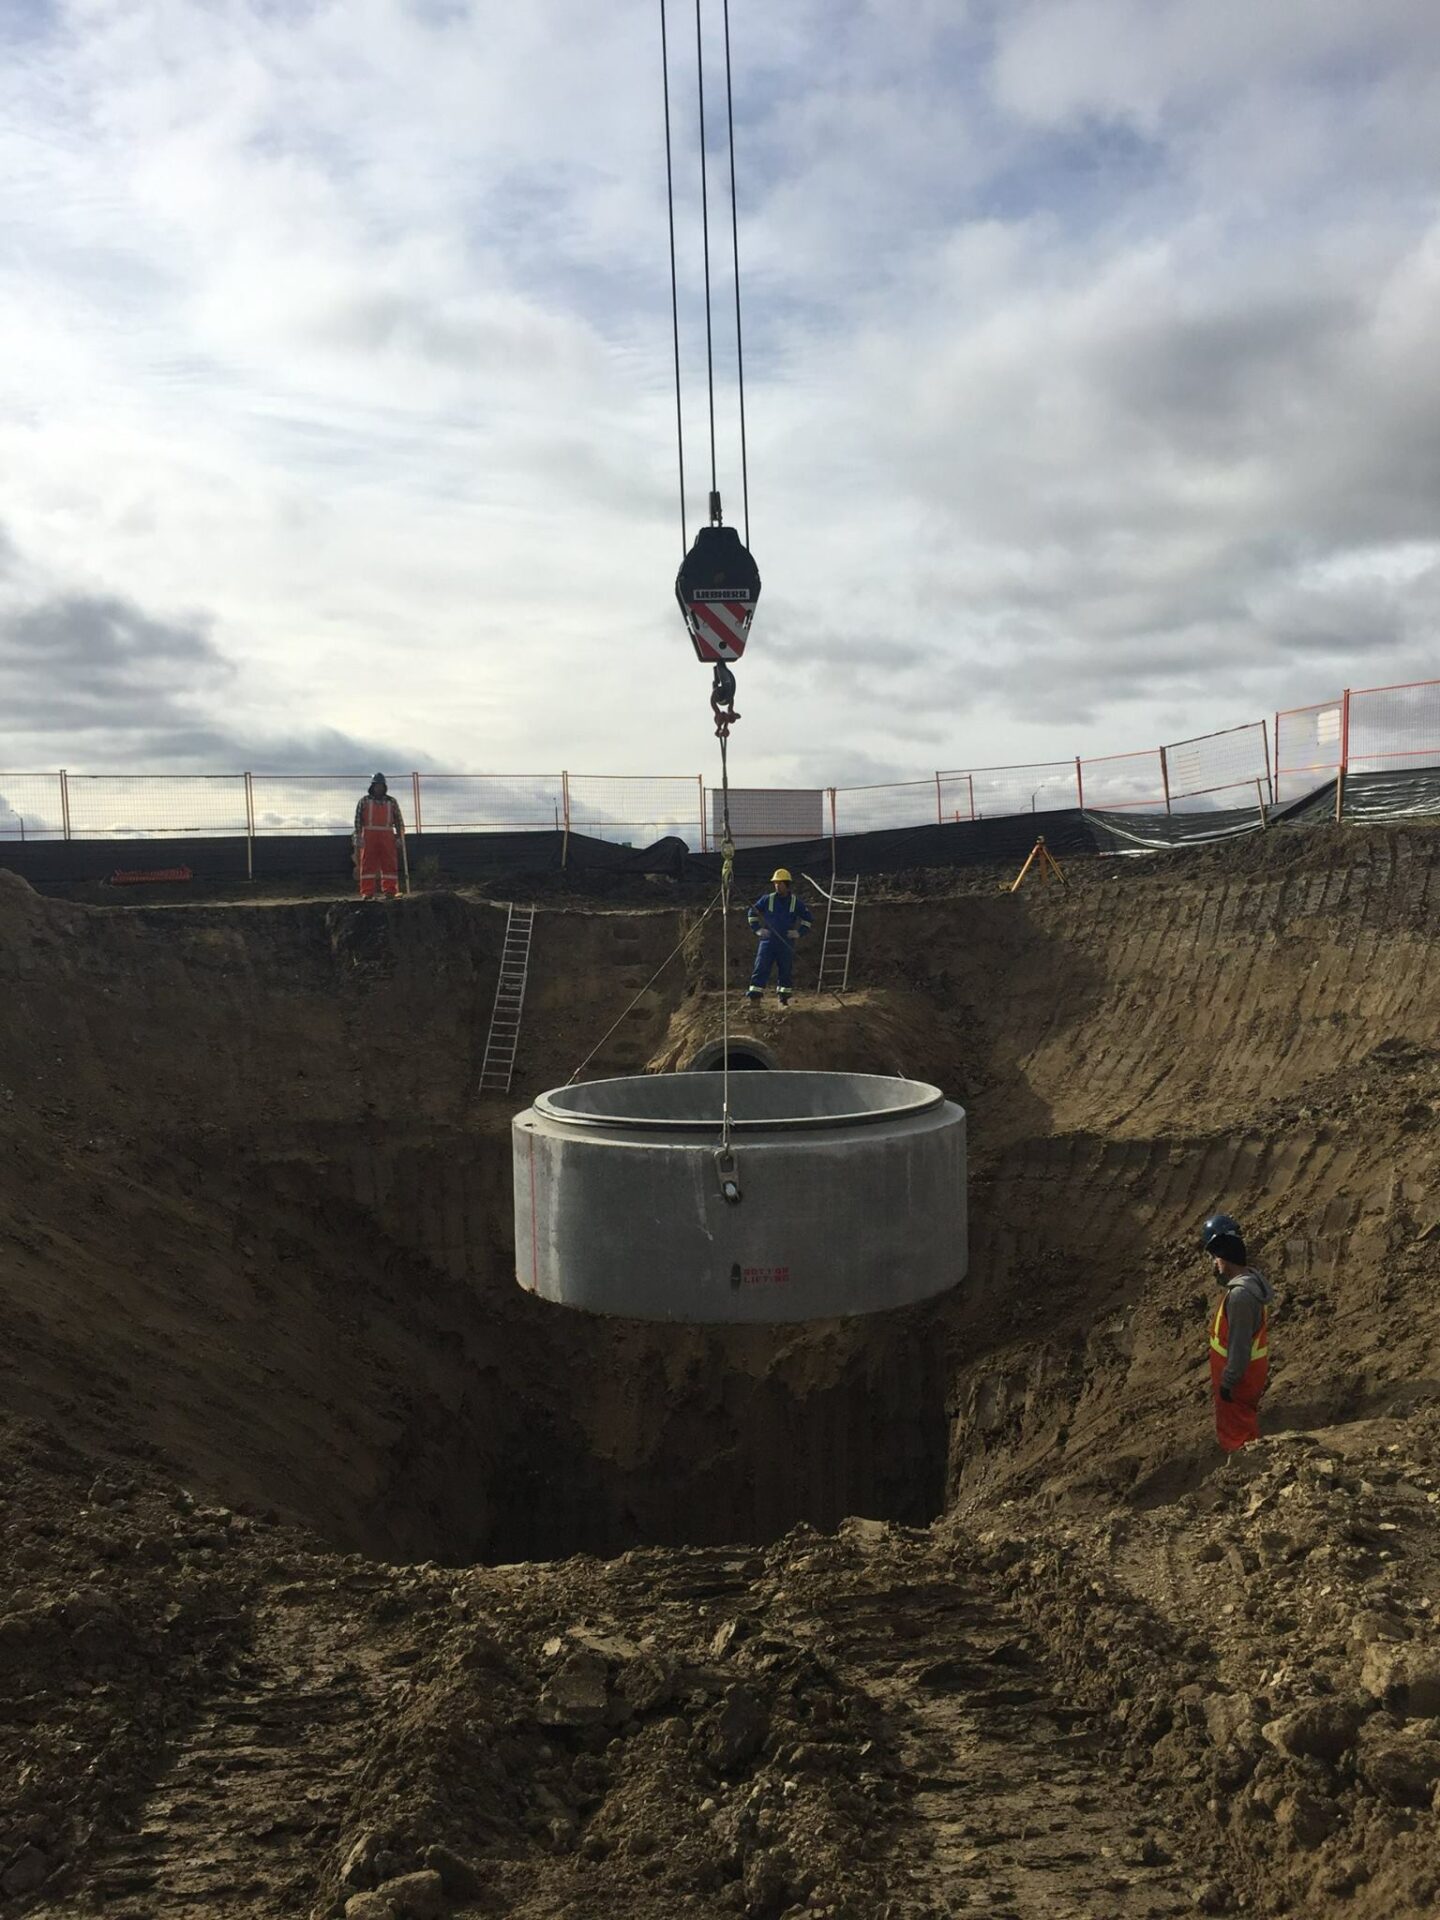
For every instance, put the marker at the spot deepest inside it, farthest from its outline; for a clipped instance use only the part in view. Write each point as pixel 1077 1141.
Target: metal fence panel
pixel 638 809
pixel 147 806
pixel 903 803
pixel 955 797
pixel 487 802
pixel 311 802
pixel 1307 748
pixel 31 807
pixel 1370 728
pixel 1220 769
pixel 993 793
pixel 1115 780
pixel 1392 727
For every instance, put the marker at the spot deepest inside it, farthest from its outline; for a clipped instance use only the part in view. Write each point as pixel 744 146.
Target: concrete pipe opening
pixel 746 1056
pixel 851 1196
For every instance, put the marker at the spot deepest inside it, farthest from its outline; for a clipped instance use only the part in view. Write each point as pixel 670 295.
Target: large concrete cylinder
pixel 851 1196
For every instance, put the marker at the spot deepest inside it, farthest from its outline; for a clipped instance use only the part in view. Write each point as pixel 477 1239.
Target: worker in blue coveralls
pixel 781 918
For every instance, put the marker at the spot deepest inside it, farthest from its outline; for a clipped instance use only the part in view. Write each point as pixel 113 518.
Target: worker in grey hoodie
pixel 1239 1334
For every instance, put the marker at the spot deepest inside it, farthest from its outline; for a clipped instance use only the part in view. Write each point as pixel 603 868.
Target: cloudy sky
pixel 1093 384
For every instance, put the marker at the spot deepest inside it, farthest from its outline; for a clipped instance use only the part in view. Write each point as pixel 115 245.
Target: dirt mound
pixel 1288 1694
pixel 874 1030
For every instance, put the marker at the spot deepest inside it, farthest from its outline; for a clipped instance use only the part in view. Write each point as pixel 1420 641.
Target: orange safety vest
pixel 1220 1345
pixel 1237 1420
pixel 378 814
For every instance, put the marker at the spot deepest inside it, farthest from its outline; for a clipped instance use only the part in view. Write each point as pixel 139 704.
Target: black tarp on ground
pixel 47 862
pixel 1126 832
pixel 967 843
pixel 970 843
pixel 311 856
pixel 1409 793
pixel 1406 794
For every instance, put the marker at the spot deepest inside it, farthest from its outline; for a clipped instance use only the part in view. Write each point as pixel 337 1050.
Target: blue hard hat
pixel 1222 1235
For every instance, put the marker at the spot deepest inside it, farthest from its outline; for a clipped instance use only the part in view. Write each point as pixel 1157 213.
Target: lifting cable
pixel 674 291
pixel 680 944
pixel 735 247
pixel 735 260
pixel 722 698
pixel 726 1161
pixel 705 232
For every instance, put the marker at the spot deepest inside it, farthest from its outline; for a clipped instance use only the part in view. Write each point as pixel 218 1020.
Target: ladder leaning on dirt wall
pixel 502 1042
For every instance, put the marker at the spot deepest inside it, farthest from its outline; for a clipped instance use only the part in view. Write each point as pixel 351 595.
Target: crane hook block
pixel 718 586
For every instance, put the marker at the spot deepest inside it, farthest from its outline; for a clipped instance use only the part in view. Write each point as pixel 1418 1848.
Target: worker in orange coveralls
pixel 379 829
pixel 1239 1335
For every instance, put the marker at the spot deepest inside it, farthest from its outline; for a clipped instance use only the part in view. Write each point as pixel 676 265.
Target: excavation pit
pixel 625 1204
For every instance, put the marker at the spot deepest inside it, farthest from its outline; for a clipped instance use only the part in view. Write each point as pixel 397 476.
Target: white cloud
pixel 1089 343
pixel 1057 60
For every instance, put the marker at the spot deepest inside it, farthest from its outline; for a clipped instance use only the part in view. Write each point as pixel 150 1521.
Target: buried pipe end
pixel 745 1056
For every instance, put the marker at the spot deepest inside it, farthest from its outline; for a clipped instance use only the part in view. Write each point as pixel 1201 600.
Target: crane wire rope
pixel 705 231
pixel 727 869
pixel 727 844
pixel 678 947
pixel 674 286
pixel 735 248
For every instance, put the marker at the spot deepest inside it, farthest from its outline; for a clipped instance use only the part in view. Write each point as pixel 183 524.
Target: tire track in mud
pixel 1018 1806
pixel 245 1814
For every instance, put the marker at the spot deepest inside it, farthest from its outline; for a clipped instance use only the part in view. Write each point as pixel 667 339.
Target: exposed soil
pixel 295 1478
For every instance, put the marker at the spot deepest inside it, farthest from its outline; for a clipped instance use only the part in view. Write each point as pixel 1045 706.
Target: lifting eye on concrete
pixel 729 1176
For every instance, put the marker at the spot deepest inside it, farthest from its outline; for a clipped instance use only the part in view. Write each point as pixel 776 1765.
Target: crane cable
pixel 705 231
pixel 725 1157
pixel 735 260
pixel 735 249
pixel 727 844
pixel 674 289
pixel 679 947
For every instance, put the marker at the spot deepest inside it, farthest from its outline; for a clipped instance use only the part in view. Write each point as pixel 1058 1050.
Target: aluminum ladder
pixel 498 1066
pixel 839 936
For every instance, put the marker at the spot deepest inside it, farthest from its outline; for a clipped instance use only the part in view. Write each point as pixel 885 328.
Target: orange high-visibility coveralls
pixel 378 831
pixel 1237 1420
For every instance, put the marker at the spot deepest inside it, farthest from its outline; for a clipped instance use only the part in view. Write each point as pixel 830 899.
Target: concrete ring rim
pixel 932 1097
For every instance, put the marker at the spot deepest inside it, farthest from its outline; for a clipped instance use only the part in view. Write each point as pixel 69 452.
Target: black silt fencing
pixel 1368 799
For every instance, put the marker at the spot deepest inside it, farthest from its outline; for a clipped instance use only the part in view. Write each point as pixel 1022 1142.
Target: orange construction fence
pixel 1259 764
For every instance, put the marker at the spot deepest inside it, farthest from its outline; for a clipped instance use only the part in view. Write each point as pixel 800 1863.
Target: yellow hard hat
pixel 781 873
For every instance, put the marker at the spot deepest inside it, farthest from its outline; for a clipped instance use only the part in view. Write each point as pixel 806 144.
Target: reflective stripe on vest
pixel 1220 1333
pixel 380 808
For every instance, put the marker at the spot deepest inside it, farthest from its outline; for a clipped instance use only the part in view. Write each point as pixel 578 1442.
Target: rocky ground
pixel 1226 1703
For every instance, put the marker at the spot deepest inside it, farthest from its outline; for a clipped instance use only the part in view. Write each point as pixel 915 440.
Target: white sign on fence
pixel 769 816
